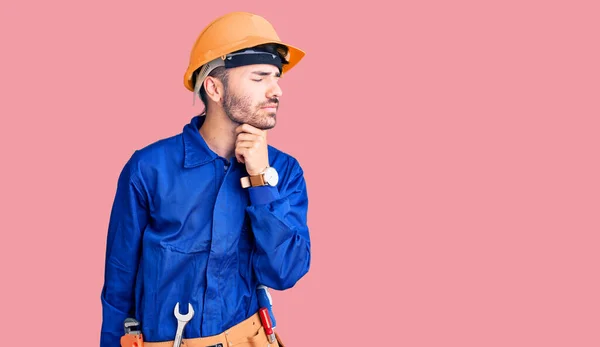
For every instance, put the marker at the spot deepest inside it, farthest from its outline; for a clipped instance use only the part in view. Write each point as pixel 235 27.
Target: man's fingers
pixel 247 144
pixel 239 154
pixel 247 128
pixel 248 137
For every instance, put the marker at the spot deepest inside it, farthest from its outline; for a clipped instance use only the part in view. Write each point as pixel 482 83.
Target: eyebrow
pixel 265 73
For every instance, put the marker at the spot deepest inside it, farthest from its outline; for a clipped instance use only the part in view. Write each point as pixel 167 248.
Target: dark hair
pixel 222 74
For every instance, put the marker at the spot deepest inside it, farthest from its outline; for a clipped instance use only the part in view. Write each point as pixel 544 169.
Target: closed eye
pixel 266 73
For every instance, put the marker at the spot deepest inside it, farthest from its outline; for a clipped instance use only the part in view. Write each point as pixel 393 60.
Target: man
pixel 206 218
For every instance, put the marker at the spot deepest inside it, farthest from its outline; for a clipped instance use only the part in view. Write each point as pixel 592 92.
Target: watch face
pixel 271 176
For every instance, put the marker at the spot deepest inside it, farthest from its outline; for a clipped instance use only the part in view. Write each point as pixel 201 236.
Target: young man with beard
pixel 204 220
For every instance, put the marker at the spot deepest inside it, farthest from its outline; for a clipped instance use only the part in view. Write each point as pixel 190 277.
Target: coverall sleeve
pixel 127 221
pixel 279 224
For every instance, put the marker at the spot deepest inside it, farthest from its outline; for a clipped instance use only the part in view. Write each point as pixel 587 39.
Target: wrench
pixel 181 322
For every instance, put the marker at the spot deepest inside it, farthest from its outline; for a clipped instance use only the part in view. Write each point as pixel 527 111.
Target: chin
pixel 264 126
pixel 265 123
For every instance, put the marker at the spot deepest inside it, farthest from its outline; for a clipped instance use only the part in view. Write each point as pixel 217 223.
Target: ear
pixel 213 88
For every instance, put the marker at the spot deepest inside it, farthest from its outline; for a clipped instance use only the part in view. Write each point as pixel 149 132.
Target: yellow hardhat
pixel 230 33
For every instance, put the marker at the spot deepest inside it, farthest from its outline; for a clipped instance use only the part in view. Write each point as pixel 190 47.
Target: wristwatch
pixel 269 177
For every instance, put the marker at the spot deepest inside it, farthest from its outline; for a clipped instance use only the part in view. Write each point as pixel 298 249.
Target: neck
pixel 219 133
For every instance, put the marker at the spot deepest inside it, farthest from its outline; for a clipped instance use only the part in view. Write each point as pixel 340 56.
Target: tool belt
pixel 249 333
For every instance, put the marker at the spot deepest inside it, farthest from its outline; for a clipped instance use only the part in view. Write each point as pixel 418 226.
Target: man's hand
pixel 251 148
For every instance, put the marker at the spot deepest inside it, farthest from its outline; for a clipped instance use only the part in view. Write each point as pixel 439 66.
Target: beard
pixel 240 110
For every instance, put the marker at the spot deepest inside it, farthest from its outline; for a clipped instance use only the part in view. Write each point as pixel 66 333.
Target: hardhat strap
pixel 252 56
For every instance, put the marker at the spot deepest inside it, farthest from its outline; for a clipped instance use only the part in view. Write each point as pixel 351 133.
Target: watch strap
pixel 253 181
pixel 245 181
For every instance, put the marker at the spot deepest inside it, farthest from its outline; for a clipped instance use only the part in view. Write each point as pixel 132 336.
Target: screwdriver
pixel 266 322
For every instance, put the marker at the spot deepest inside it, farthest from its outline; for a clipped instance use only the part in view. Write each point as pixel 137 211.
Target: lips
pixel 270 106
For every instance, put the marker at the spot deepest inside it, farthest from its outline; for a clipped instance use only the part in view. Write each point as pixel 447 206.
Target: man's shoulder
pixel 156 153
pixel 159 148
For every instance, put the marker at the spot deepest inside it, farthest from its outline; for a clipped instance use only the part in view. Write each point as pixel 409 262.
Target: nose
pixel 275 90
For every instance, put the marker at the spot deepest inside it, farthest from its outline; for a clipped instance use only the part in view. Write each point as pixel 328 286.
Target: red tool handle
pixel 266 320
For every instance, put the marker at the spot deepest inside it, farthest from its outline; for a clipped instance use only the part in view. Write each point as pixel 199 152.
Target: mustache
pixel 273 101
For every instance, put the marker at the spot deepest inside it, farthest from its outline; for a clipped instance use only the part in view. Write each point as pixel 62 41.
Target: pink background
pixel 464 134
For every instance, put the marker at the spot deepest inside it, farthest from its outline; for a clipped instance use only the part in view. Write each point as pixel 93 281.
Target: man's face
pixel 252 95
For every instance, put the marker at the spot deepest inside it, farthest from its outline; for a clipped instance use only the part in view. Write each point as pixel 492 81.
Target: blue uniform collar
pixel 196 151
